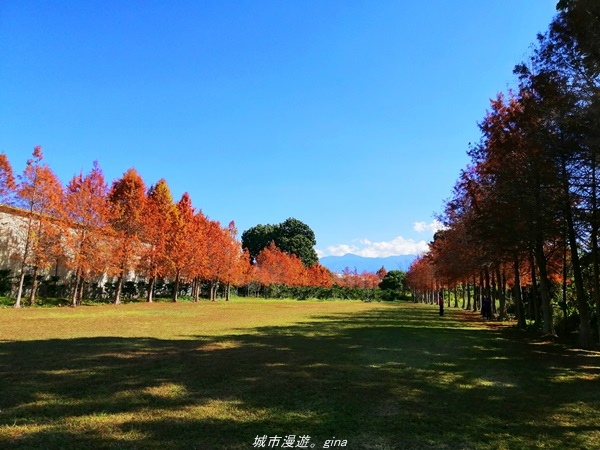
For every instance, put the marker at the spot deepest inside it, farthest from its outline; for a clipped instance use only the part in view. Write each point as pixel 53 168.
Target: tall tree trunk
pixel 195 289
pixel 502 296
pixel 563 303
pixel 521 323
pixel 75 288
pixel 540 258
pixel 475 293
pixel 34 286
pixel 214 288
pixel 150 294
pixel 534 305
pixel 199 288
pixel 482 290
pixel 119 288
pixel 488 286
pixel 495 283
pixel 468 295
pixel 24 259
pixel 20 289
pixel 586 340
pixel 176 286
pixel 82 292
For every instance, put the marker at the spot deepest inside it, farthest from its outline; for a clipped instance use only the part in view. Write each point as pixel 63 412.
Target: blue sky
pixel 352 116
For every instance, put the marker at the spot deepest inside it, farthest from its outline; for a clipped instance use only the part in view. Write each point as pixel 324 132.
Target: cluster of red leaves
pixel 274 266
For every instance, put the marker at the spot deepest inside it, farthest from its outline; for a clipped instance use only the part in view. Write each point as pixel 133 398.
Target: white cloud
pixel 397 246
pixel 340 250
pixel 423 227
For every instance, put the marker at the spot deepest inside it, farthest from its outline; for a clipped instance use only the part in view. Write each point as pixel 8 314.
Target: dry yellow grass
pixel 216 375
pixel 166 320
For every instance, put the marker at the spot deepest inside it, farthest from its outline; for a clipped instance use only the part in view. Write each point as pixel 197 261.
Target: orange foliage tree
pixel 111 232
pixel 159 207
pixel 198 267
pixel 225 264
pixel 39 193
pixel 87 240
pixel 319 276
pixel 276 267
pixel 421 280
pixel 127 201
pixel 7 180
pixel 234 264
pixel 180 240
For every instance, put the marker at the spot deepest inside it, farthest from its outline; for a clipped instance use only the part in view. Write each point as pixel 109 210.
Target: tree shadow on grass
pixel 384 379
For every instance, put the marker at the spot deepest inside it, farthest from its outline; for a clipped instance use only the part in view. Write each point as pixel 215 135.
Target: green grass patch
pixel 216 375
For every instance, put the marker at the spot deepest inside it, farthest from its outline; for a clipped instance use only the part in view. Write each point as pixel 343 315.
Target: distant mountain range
pixel 338 263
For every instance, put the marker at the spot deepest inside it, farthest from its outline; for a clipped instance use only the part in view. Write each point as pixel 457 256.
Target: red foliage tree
pixel 7 180
pixel 40 195
pixel 159 207
pixel 319 276
pixel 127 201
pixel 180 240
pixel 87 235
pixel 421 280
pixel 233 264
pixel 276 267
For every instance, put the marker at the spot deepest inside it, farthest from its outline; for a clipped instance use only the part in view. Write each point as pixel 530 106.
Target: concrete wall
pixel 13 233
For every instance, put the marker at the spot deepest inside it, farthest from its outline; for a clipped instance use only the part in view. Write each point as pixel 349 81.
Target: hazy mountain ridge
pixel 338 263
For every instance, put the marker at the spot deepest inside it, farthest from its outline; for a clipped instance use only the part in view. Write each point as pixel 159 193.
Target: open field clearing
pixel 219 375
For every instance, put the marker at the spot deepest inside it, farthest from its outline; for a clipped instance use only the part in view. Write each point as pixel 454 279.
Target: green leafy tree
pixel 296 238
pixel 291 236
pixel 257 238
pixel 393 284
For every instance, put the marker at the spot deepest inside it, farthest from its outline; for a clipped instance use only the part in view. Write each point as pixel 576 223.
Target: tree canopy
pixel 291 236
pixel 525 214
pixel 393 280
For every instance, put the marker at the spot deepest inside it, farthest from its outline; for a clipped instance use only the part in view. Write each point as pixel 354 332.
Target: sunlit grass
pixel 163 320
pixel 215 375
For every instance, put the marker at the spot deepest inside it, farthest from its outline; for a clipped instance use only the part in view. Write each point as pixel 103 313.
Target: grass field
pixel 217 375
